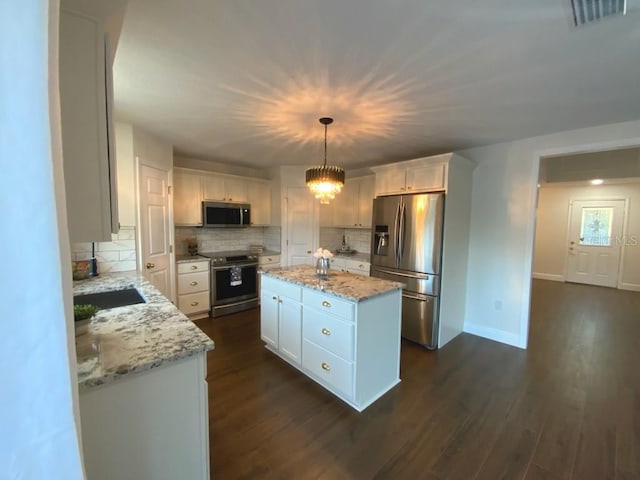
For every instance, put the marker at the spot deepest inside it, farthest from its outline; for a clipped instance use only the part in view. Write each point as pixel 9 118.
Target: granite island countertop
pixel 355 288
pixel 125 340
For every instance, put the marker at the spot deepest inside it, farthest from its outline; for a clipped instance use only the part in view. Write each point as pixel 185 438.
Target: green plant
pixel 82 312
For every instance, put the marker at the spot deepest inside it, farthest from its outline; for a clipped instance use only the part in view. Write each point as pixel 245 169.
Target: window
pixel 595 228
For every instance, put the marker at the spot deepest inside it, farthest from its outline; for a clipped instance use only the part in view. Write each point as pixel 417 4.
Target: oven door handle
pixel 227 267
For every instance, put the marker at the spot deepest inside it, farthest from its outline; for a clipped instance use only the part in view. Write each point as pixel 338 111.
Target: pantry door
pixel 595 240
pixel 301 226
pixel 155 239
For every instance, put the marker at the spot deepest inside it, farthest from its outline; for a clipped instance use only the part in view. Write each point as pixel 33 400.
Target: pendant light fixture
pixel 325 181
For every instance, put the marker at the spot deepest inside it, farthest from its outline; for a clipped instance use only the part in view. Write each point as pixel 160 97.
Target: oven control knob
pixel 215 260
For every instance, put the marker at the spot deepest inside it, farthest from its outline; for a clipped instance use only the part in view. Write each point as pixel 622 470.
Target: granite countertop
pixel 189 258
pixel 355 288
pixel 126 340
pixel 358 257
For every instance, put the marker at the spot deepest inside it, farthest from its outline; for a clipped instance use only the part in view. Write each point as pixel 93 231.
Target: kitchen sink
pixel 112 299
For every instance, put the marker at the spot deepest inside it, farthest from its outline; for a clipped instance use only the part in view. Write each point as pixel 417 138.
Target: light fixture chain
pixel 325 144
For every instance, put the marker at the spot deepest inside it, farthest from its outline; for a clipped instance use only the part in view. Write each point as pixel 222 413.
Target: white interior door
pixel 300 226
pixel 154 227
pixel 595 238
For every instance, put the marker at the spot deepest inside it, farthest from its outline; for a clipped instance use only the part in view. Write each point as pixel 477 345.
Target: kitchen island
pixel 343 332
pixel 143 393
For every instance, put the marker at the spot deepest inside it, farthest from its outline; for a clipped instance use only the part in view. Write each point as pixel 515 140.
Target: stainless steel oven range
pixel 234 281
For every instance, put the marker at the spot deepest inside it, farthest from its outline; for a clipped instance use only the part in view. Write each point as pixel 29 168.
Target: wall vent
pixel 589 11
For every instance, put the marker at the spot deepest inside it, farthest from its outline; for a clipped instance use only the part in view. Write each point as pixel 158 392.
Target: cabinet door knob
pixel 308 251
pixel 194 283
pixel 193 304
pixel 194 267
pixel 325 366
pixel 326 331
pixel 325 303
pixel 150 265
pixel 274 298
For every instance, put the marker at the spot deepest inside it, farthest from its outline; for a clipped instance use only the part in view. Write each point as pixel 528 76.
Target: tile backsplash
pixel 358 239
pixel 119 255
pixel 222 239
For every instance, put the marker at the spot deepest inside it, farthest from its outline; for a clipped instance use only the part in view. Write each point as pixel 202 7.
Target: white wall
pixel 502 224
pixel 552 222
pixel 126 174
pixel 38 410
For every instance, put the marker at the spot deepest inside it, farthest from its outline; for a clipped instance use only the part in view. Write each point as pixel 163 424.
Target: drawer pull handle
pixel 325 304
pixel 325 366
pixel 326 331
pixel 194 283
pixel 194 304
pixel 194 267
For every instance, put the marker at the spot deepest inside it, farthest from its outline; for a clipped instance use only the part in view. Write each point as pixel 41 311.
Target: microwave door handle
pixel 241 217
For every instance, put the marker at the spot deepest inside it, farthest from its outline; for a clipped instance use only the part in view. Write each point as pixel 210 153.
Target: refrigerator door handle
pixel 421 276
pixel 403 226
pixel 397 234
pixel 422 298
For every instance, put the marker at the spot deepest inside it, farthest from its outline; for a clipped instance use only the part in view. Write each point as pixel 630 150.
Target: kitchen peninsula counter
pixel 126 340
pixel 142 381
pixel 355 288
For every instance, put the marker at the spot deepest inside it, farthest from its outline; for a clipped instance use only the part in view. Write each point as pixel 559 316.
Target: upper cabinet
pixel 420 175
pixel 352 206
pixel 87 129
pixel 187 198
pixel 191 187
pixel 227 189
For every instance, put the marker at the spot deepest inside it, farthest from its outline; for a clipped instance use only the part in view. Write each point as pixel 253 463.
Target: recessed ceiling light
pixel 597 181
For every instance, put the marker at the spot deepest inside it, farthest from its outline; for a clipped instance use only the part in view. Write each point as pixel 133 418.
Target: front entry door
pixel 595 238
pixel 154 227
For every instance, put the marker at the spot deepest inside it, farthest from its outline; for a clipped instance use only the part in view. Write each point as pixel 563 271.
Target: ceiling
pixel 245 81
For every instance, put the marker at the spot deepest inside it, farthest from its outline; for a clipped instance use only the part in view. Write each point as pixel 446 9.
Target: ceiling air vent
pixel 588 11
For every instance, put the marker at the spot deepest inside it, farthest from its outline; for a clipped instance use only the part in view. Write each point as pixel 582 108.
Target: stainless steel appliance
pixel 224 214
pixel 234 281
pixel 407 247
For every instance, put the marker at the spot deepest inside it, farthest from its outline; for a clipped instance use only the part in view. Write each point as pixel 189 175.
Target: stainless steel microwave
pixel 223 214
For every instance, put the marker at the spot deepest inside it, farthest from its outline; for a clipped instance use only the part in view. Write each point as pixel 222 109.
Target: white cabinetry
pixel 191 187
pixel 420 175
pixel 187 198
pixel 87 130
pixel 152 425
pixel 350 266
pixel 259 197
pixel 352 206
pixel 223 188
pixel 193 288
pixel 281 318
pixel 350 348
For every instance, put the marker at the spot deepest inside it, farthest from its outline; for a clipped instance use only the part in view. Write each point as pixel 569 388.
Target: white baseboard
pixel 495 335
pixel 634 287
pixel 548 276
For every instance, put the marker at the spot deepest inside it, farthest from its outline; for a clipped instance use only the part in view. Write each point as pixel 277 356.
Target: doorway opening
pixel 588 219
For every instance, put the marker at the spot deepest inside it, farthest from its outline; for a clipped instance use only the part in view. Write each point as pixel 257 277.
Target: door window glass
pixel 595 228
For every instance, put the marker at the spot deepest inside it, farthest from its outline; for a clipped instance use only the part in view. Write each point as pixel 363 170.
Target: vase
pixel 322 267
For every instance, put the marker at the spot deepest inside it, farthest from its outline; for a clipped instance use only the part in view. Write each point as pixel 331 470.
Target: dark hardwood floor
pixel 568 407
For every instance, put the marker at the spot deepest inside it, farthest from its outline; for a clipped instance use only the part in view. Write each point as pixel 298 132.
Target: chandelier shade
pixel 325 181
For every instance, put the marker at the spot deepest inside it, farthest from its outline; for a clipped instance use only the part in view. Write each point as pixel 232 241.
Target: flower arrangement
pixel 323 253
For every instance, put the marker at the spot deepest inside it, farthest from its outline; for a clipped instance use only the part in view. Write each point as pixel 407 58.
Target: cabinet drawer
pixel 284 289
pixel 329 368
pixel 269 260
pixel 328 332
pixel 329 304
pixel 193 302
pixel 193 282
pixel 353 265
pixel 189 267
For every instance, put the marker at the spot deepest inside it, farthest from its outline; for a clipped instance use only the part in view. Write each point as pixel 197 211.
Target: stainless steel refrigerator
pixel 407 247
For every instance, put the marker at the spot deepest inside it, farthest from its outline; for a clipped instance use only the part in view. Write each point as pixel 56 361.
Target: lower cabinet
pixel 281 320
pixel 350 348
pixel 149 426
pixel 193 288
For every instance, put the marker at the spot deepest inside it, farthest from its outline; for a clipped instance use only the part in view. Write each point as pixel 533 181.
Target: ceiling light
pixel 596 181
pixel 325 181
